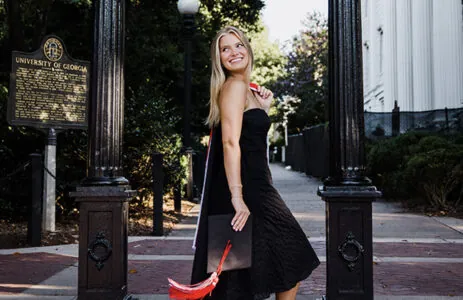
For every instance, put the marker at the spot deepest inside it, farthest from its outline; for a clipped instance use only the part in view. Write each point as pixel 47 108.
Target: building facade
pixel 412 54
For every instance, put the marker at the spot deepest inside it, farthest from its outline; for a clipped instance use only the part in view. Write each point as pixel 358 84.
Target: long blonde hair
pixel 219 74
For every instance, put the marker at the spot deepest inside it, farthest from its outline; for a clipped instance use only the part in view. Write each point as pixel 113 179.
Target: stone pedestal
pixel 349 242
pixel 103 242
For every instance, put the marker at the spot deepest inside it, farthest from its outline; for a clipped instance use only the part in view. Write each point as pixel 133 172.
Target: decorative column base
pixel 349 241
pixel 103 227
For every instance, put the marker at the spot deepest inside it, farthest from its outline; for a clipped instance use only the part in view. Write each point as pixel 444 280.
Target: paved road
pixel 415 256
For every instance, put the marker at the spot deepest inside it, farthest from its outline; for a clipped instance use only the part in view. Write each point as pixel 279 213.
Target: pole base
pixel 105 181
pixel 349 241
pixel 103 227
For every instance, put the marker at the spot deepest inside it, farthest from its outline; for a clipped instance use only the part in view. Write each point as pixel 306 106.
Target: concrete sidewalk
pixel 415 256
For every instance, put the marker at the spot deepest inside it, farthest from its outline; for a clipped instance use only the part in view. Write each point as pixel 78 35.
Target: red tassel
pixel 198 290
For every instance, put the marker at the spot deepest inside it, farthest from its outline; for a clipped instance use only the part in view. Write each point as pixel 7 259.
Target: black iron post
pixel 178 197
pixel 104 195
pixel 447 127
pixel 107 102
pixel 347 192
pixel 34 228
pixel 188 22
pixel 158 183
pixel 395 119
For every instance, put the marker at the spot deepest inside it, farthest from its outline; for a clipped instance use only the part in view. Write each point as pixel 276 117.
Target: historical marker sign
pixel 48 88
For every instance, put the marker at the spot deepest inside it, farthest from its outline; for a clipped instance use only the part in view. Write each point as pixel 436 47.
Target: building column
pixel 390 57
pixel 422 55
pixel 447 54
pixel 404 56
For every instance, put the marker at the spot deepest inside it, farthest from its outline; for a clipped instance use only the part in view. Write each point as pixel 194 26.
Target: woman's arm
pixel 232 102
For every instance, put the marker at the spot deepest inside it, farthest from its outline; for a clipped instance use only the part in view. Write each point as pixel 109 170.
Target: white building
pixel 412 54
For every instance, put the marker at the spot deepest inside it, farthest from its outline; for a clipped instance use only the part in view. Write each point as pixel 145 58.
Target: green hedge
pixel 419 167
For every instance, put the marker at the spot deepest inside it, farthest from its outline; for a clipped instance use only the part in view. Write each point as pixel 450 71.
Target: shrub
pixel 419 166
pixel 149 128
pixel 436 171
pixel 386 159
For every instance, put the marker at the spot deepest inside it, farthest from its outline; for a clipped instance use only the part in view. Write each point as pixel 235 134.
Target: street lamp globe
pixel 188 7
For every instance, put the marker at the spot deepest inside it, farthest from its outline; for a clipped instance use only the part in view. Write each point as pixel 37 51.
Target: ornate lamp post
pixel 188 8
pixel 347 192
pixel 104 194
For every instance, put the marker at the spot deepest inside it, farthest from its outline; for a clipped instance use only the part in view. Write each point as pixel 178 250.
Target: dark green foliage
pixel 436 172
pixel 150 128
pixel 306 76
pixel 153 87
pixel 419 166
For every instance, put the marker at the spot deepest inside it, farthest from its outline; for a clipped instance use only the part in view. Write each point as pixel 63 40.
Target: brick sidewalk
pixel 415 257
pixel 151 261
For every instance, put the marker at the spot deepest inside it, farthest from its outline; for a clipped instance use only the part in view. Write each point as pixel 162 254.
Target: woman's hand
pixel 264 96
pixel 241 213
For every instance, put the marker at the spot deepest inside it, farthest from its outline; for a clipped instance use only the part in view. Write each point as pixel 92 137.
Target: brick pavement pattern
pixel 416 257
pixel 21 271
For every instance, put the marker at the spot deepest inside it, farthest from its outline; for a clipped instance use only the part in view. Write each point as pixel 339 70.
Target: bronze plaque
pixel 48 88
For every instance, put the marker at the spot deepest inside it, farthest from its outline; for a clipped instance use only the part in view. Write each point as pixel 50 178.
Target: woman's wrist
pixel 236 190
pixel 236 186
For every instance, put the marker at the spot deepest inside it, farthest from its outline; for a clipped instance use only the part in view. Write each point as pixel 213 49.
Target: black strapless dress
pixel 281 254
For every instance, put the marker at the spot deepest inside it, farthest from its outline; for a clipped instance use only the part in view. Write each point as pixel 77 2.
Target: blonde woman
pixel 238 181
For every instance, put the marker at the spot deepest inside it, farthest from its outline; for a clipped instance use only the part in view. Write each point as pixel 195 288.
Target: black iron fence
pixel 396 122
pixel 308 151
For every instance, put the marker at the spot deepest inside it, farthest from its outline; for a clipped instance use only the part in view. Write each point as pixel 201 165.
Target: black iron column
pixel 104 195
pixel 347 192
pixel 188 21
pixel 158 184
pixel 395 119
pixel 34 225
pixel 107 103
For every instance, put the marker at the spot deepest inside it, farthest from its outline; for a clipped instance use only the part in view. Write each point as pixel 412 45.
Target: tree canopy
pixel 306 75
pixel 153 80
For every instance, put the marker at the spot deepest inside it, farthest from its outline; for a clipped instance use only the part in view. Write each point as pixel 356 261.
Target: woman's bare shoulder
pixel 234 85
pixel 233 93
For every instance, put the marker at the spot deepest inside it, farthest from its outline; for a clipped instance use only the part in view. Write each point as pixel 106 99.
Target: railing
pixel 379 124
pixel 308 151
